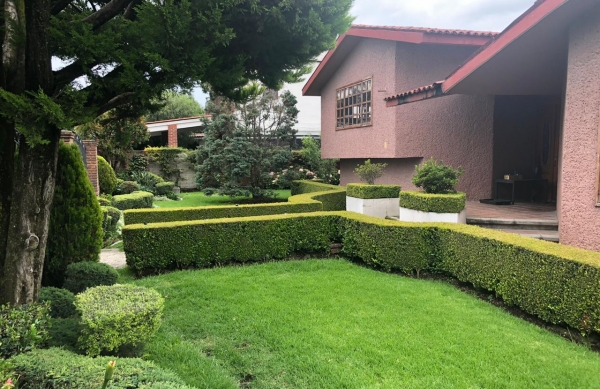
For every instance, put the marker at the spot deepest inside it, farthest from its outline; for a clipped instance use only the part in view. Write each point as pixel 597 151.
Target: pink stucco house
pixel 526 100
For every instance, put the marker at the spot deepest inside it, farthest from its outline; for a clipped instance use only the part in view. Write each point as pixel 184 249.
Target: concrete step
pixel 514 224
pixel 550 236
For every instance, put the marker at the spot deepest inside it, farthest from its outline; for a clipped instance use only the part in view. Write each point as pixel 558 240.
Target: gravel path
pixel 113 257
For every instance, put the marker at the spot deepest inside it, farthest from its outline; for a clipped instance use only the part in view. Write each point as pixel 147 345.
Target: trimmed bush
pixel 203 243
pixel 363 191
pixel 75 232
pixel 23 328
pixel 118 315
pixel 312 202
pixel 107 178
pixel 62 302
pixel 163 188
pixel 436 177
pixel 111 217
pixel 60 369
pixel 557 283
pixel 305 186
pixel 83 275
pixel 104 202
pixel 439 203
pixel 369 172
pixel 133 200
pixel 127 187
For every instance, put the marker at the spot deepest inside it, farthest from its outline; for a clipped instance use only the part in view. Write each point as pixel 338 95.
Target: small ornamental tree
pixel 246 141
pixel 369 172
pixel 436 178
pixel 76 220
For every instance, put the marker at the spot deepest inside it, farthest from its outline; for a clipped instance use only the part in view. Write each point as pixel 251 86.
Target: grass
pixel 332 324
pixel 199 199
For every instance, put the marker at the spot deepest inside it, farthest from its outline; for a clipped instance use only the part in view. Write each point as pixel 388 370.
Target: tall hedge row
pixel 557 283
pixel 307 186
pixel 76 219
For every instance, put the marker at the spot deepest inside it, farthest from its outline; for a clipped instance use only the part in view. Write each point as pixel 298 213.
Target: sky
pixel 485 15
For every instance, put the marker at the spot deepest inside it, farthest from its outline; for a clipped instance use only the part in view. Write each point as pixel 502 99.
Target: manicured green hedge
pixel 306 186
pixel 364 191
pixel 117 315
pixel 163 188
pixel 332 200
pixel 60 369
pixel 557 283
pixel 439 203
pixel 62 302
pixel 179 245
pixel 82 275
pixel 134 200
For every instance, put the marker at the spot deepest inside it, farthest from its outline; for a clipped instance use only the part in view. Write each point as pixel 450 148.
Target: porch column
pixel 172 134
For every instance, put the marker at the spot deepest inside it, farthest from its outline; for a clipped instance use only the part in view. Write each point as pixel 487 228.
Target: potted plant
pixel 370 199
pixel 438 201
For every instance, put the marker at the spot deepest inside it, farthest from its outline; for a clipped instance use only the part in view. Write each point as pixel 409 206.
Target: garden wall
pixel 188 172
pixel 557 283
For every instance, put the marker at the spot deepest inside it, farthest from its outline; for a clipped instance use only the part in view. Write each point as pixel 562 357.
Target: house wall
pixel 398 172
pixel 579 215
pixel 370 58
pixel 457 130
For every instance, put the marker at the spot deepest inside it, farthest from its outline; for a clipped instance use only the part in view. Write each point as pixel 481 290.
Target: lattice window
pixel 354 108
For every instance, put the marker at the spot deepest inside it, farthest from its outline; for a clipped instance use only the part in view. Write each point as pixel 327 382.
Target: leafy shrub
pixel 436 178
pixel 60 369
pixel 62 302
pixel 104 202
pixel 118 315
pixel 75 232
pixel 111 217
pixel 23 328
pixel 164 188
pixel 147 181
pixel 440 203
pixel 362 191
pixel 83 275
pixel 107 178
pixel 137 164
pixel 369 172
pixel 127 187
pixel 133 200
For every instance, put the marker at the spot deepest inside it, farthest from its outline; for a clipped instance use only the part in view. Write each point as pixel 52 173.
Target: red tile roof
pixel 427 30
pixel 415 91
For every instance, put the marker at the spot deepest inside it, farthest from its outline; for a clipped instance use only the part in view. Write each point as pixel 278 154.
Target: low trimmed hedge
pixel 163 188
pixel 134 200
pixel 364 191
pixel 439 203
pixel 60 369
pixel 332 200
pixel 557 283
pixel 308 186
pixel 117 315
pixel 82 275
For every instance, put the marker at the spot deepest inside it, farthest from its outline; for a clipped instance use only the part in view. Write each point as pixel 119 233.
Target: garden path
pixel 113 257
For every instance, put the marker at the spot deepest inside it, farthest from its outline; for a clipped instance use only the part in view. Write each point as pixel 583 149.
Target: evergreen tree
pixel 76 219
pixel 174 106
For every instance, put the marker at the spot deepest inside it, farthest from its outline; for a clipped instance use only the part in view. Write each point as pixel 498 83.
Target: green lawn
pixel 199 199
pixel 332 324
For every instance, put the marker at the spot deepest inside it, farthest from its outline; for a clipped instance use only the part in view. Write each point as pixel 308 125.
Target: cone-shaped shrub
pixel 107 178
pixel 75 233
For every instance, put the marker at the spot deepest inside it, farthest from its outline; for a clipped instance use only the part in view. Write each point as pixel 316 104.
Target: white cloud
pixel 488 15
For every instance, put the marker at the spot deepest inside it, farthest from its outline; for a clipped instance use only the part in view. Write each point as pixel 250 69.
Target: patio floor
pixel 517 211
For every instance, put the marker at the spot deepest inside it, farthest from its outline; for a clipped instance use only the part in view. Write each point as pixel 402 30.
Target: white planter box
pixel 411 215
pixel 373 207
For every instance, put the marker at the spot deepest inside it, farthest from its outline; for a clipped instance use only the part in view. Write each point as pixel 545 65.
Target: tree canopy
pixel 174 106
pixel 121 55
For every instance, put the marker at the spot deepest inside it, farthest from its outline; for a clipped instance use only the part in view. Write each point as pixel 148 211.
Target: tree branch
pixel 59 5
pixel 106 13
pixel 116 101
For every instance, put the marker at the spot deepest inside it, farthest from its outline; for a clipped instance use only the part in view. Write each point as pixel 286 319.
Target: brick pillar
pixel 172 133
pixel 91 160
pixel 67 136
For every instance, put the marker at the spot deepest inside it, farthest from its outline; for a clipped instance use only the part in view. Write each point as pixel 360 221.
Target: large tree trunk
pixel 33 192
pixel 27 61
pixel 7 152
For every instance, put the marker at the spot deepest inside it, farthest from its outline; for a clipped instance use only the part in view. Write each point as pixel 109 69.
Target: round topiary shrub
pixel 111 219
pixel 83 275
pixel 106 177
pixel 118 315
pixel 62 302
pixel 75 232
pixel 164 188
pixel 436 178
pixel 127 187
pixel 104 202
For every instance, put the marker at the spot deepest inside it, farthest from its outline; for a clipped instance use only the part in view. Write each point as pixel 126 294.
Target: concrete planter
pixel 412 215
pixel 381 208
